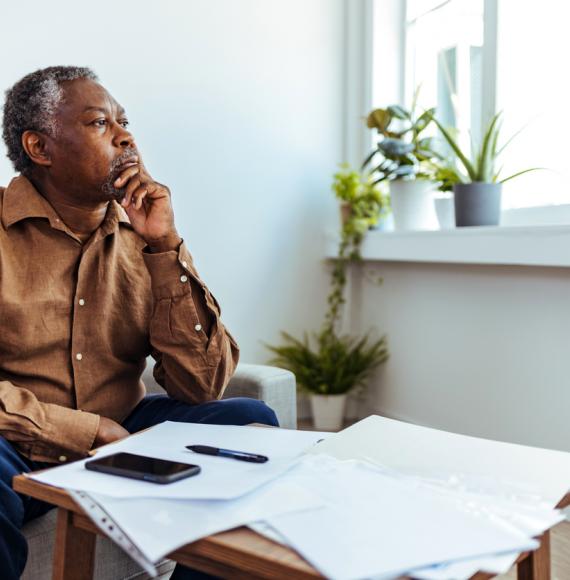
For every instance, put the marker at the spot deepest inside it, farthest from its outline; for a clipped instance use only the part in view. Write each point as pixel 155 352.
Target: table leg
pixel 74 551
pixel 537 565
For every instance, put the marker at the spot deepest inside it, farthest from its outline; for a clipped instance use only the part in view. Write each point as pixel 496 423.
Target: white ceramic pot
pixel 412 204
pixel 445 211
pixel 328 411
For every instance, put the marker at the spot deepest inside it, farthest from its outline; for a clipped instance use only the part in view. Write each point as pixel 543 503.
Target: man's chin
pixel 111 192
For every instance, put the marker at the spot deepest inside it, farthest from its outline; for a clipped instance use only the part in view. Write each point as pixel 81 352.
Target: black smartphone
pixel 141 467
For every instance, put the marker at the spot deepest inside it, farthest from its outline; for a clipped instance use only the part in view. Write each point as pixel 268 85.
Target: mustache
pixel 122 159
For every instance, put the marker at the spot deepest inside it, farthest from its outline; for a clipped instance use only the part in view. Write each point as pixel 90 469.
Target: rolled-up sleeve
pixel 43 431
pixel 195 354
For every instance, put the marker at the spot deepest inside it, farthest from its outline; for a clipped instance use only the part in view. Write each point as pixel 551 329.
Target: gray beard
pixel 108 188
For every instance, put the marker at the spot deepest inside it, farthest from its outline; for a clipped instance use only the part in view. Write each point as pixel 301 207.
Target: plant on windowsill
pixel 337 364
pixel 478 192
pixel 403 157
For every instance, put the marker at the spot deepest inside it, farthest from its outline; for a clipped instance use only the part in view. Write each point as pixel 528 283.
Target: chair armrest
pixel 277 387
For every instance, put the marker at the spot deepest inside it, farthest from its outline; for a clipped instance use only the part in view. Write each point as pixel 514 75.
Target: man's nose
pixel 123 138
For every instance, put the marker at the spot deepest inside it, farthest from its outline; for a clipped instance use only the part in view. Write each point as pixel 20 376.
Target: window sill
pixel 513 245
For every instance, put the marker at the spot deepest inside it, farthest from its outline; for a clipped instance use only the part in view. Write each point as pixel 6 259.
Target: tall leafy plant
pixel 483 166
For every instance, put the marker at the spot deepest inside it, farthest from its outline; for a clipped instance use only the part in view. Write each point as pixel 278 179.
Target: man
pixel 93 278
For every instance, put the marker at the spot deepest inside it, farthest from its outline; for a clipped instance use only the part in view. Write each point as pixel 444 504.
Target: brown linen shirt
pixel 77 322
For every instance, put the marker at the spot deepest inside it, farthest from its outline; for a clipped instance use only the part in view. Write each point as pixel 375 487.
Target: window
pixel 475 57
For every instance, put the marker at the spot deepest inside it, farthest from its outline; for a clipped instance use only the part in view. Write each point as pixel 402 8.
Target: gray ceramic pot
pixel 477 204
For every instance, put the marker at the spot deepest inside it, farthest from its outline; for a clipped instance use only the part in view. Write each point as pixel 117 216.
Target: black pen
pixel 239 455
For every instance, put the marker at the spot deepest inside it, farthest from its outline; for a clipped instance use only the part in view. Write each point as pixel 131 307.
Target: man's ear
pixel 36 146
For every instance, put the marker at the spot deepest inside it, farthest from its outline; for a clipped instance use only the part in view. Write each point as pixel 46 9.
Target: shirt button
pixel 62 458
pixel 183 278
pixel 81 302
pixel 198 327
pixel 78 356
pixel 185 264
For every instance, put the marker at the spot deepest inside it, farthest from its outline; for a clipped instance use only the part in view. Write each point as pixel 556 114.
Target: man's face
pixel 92 145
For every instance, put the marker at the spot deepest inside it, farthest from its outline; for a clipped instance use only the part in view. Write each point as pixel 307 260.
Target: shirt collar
pixel 22 201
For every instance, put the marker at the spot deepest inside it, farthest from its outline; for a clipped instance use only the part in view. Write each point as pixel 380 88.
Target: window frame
pixel 555 213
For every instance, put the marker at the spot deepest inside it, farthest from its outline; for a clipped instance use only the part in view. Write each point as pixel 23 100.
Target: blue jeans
pixel 17 509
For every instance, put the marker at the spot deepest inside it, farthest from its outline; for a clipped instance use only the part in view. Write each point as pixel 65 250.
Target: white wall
pixel 480 350
pixel 238 107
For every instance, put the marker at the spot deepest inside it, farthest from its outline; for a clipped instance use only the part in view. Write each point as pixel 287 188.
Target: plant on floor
pixel 337 363
pixel 334 366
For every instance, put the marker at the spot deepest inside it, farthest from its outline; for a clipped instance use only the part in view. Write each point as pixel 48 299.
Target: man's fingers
pixel 139 195
pixel 134 183
pixel 132 186
pixel 126 175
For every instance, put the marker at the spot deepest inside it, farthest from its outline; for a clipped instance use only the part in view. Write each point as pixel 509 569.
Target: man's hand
pixel 108 432
pixel 148 206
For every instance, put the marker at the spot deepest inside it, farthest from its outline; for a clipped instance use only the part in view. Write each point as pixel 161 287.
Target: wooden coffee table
pixel 239 554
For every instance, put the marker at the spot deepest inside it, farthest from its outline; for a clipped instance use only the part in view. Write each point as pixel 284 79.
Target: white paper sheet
pixel 158 526
pixel 378 525
pixel 528 474
pixel 462 570
pixel 220 478
pixel 465 570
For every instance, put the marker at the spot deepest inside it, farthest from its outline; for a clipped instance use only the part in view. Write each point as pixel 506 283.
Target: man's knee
pixel 243 411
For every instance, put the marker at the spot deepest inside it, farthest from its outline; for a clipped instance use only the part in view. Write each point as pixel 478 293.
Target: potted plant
pixel 360 198
pixel 402 157
pixel 478 192
pixel 447 177
pixel 337 364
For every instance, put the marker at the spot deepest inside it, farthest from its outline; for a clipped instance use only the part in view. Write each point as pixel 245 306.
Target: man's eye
pixel 100 122
pixel 124 123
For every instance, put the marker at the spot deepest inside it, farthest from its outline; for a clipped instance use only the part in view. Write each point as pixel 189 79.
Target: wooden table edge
pixel 222 547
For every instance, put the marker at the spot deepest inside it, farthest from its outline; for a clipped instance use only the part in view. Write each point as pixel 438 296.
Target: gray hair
pixel 31 105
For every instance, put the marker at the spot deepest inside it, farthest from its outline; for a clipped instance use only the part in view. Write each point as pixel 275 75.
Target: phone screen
pixel 141 467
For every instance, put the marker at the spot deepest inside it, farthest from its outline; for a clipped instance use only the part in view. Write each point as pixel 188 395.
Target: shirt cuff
pixel 70 433
pixel 170 272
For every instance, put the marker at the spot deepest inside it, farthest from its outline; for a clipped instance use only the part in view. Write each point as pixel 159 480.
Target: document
pixel 528 474
pixel 150 528
pixel 466 569
pixel 378 500
pixel 523 476
pixel 220 478
pixel 374 524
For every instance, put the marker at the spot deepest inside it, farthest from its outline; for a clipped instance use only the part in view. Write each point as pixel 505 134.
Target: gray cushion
pixel 276 386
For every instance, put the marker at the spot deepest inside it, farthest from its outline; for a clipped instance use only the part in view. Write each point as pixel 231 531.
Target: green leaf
pixel 522 173
pixel 486 163
pixel 451 141
pixel 369 159
pixel 424 120
pixel 399 112
pixel 379 119
pixel 510 140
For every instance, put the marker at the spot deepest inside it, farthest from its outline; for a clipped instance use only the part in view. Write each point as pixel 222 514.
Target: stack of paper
pixel 377 500
pixel 525 477
pixel 150 520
